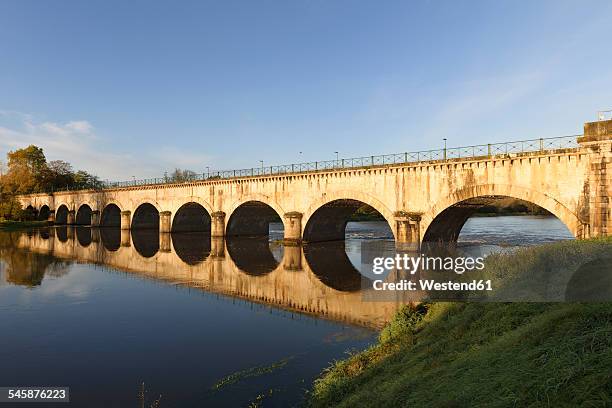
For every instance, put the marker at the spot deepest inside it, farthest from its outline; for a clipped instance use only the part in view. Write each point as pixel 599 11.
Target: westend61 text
pixel 432 285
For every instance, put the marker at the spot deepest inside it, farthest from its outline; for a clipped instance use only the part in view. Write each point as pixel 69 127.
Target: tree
pixel 179 176
pixel 10 208
pixel 26 170
pixel 82 179
pixel 59 174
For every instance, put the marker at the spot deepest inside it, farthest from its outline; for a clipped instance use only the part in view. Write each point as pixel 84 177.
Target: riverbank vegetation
pixel 10 225
pixel 510 206
pixel 483 354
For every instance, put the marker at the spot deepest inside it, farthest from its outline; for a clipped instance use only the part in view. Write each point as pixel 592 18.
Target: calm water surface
pixel 203 323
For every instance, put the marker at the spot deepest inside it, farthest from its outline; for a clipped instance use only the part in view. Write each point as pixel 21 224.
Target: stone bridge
pixel 421 200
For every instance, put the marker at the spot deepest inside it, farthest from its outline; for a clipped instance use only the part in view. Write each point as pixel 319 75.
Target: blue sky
pixel 137 88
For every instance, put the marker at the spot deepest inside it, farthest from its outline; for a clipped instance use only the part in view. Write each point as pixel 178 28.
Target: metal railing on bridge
pixel 475 151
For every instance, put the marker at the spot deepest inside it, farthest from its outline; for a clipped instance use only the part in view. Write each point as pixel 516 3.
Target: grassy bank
pixel 483 354
pixel 17 225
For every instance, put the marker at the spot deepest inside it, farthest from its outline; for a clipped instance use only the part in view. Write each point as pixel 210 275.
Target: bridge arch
pixel 61 214
pixel 252 216
pixel 83 215
pixel 326 218
pixel 43 213
pixel 31 212
pixel 191 217
pixel 111 215
pixel 175 205
pixel 146 216
pixel 443 221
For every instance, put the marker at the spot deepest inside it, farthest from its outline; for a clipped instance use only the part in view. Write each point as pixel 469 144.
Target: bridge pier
pixel 164 222
pixel 95 235
pixel 71 218
pixel 217 228
pixel 292 258
pixel 293 228
pixel 95 218
pixel 165 242
pixel 51 217
pixel 597 140
pixel 126 220
pixel 217 247
pixel 407 230
pixel 126 237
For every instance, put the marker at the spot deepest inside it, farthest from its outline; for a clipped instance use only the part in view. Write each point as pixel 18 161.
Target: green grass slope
pixel 481 355
pixel 494 355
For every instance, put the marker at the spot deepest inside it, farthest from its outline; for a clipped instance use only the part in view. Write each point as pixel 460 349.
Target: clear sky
pixel 135 88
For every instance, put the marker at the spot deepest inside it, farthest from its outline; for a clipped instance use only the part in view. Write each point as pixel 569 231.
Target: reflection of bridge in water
pixel 318 280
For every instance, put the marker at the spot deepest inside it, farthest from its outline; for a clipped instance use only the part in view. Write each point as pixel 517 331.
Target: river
pixel 199 322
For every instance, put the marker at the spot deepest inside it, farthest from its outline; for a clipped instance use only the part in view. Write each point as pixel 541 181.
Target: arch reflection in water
pixel 83 235
pixel 291 283
pixel 330 263
pixel 61 233
pixel 145 241
pixel 111 238
pixel 192 247
pixel 252 255
pixel 45 233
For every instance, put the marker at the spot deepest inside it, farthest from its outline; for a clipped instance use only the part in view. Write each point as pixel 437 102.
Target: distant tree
pixel 84 180
pixel 179 176
pixel 59 174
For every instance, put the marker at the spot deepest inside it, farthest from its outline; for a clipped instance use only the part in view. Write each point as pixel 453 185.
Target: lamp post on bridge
pixel 262 167
pixel 444 148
